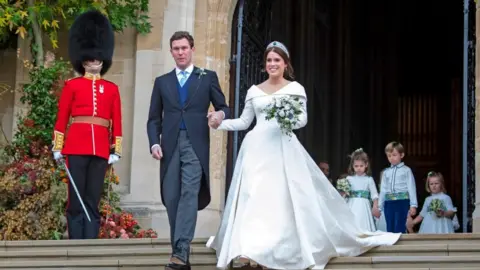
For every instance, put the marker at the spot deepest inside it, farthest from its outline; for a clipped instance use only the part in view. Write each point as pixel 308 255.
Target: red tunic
pixel 88 96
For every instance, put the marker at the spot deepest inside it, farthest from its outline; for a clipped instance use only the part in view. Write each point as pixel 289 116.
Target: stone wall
pixel 8 64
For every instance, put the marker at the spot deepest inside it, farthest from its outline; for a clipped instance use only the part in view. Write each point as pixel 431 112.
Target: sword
pixel 76 190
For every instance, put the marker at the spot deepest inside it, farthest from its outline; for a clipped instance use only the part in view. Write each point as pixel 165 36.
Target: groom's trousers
pixel 181 186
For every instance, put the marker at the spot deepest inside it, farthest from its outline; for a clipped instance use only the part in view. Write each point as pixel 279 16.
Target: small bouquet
pixel 343 185
pixel 286 110
pixel 437 206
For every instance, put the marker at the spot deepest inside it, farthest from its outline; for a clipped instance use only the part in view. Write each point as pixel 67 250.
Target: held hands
pixel 157 152
pixel 215 119
pixel 413 211
pixel 376 212
pixel 410 224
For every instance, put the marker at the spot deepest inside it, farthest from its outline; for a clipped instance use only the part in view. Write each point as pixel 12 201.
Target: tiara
pixel 279 45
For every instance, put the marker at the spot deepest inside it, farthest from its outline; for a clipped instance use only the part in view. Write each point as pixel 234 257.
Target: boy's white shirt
pixel 409 186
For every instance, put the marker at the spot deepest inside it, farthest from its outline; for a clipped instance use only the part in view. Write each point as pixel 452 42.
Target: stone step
pixel 112 264
pixel 97 254
pixel 428 268
pixel 407 239
pixel 455 251
pixel 394 262
pixel 91 244
pixel 401 263
pixel 204 252
pixel 424 249
pixel 454 238
pixel 457 262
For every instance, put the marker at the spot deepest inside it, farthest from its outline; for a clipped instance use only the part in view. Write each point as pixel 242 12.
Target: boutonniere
pixel 200 72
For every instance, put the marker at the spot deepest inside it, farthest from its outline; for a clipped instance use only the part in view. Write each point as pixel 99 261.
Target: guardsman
pixel 88 130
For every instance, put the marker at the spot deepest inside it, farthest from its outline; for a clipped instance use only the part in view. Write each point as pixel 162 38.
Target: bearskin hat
pixel 91 38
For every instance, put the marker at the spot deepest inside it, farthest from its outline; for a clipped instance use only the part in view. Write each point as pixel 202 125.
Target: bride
pixel 281 211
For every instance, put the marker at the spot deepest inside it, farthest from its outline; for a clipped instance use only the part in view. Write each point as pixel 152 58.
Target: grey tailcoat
pixel 166 113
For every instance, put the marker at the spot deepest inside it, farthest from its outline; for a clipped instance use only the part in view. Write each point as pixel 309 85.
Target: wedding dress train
pixel 281 210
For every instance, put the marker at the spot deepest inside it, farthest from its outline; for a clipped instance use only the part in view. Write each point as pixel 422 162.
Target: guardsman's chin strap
pixel 93 69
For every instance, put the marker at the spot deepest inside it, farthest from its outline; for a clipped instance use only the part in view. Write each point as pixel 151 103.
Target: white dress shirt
pixel 396 179
pixel 189 71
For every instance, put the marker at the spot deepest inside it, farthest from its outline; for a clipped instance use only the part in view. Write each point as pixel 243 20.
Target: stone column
pixel 476 212
pixel 8 71
pixel 21 78
pixel 213 23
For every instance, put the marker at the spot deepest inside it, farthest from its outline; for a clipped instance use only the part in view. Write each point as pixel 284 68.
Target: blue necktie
pixel 183 78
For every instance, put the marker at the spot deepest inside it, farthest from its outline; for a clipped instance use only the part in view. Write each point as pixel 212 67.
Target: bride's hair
pixel 289 74
pixel 359 154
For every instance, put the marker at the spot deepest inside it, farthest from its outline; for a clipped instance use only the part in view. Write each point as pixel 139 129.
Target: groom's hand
pixel 215 119
pixel 157 152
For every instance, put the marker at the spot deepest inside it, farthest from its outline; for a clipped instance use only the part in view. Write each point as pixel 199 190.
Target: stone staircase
pixel 412 252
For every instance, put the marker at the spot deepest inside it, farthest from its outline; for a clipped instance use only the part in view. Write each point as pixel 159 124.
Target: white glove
pixel 113 158
pixel 57 155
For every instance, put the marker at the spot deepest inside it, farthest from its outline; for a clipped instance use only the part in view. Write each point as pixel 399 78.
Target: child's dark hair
pixel 359 154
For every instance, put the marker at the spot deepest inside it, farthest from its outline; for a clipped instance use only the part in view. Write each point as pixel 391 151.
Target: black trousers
pixel 88 173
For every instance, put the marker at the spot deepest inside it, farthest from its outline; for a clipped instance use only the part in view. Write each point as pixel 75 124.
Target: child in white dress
pixel 362 191
pixel 437 211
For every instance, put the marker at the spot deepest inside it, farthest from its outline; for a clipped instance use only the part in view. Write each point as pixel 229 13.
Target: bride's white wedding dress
pixel 281 210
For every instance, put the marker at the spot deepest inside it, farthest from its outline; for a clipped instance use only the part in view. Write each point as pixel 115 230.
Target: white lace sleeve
pixel 241 123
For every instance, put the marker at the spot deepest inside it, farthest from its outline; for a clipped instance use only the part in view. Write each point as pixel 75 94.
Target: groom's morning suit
pixel 184 98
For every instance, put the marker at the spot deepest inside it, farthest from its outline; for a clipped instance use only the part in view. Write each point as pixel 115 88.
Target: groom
pixel 179 115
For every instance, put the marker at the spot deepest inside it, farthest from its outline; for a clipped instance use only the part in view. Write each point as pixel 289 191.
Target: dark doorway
pixel 375 71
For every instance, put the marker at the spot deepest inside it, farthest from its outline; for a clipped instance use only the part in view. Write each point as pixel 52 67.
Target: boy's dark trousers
pixel 396 212
pixel 88 172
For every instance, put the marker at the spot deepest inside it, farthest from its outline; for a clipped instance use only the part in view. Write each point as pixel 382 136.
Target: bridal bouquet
pixel 286 110
pixel 343 185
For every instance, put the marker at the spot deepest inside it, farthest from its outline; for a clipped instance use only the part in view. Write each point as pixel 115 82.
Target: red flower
pixel 28 123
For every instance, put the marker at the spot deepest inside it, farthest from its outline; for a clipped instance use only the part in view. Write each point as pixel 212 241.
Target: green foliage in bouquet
pixel 436 205
pixel 33 188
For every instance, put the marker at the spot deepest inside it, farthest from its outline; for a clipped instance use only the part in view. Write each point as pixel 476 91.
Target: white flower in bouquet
pixel 286 110
pixel 343 185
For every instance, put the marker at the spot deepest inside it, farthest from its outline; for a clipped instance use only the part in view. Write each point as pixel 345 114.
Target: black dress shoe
pixel 176 266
